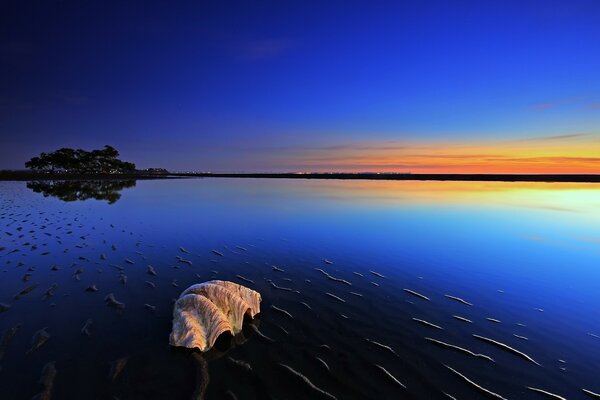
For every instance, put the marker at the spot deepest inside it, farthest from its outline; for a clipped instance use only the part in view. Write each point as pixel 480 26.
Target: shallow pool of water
pixel 523 258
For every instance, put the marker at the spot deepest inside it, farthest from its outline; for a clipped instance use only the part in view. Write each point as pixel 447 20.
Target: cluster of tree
pixel 82 190
pixel 79 161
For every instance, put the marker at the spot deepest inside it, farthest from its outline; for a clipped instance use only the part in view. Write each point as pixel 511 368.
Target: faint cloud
pixel 588 240
pixel 545 207
pixel 339 166
pixel 554 137
pixel 383 145
pixel 566 136
pixel 257 50
pixel 244 48
pixel 337 147
pixel 592 106
pixel 455 156
pixel 546 105
pixel 543 106
pixel 548 160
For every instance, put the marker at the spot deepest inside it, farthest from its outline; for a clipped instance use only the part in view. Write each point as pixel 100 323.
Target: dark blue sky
pixel 291 85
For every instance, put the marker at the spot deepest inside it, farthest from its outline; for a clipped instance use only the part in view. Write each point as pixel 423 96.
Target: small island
pixel 79 161
pixel 77 164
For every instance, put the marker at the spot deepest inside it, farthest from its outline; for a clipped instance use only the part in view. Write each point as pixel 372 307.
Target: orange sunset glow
pixel 559 154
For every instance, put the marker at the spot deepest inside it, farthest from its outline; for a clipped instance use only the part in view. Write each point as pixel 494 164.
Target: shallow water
pixel 526 255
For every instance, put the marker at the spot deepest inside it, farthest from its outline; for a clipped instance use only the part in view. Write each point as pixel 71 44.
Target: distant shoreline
pixel 585 178
pixel 575 178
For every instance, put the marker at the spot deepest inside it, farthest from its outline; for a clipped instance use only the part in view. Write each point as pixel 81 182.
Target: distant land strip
pixel 589 178
pixel 592 178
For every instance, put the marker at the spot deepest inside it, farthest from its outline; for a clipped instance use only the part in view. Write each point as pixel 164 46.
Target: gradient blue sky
pixel 280 86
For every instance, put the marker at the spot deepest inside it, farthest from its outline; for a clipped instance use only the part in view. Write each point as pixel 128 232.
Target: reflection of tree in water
pixel 72 190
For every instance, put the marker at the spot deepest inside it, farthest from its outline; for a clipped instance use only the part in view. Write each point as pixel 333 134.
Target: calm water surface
pixel 526 256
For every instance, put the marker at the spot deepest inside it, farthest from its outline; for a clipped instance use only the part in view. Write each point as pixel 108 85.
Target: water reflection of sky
pixel 540 229
pixel 540 239
pixel 543 236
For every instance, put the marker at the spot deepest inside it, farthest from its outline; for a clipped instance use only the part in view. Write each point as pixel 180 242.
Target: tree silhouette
pixel 67 160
